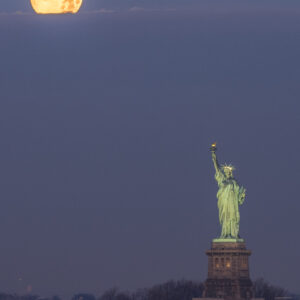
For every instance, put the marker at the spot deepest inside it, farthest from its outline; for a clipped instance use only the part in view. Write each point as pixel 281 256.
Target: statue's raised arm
pixel 213 150
pixel 219 176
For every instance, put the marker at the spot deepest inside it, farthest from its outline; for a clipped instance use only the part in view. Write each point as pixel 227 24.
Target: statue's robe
pixel 230 196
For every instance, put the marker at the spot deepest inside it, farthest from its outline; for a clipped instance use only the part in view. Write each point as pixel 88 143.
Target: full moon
pixel 56 6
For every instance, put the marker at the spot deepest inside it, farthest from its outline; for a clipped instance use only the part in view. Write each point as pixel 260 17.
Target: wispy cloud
pixel 100 11
pixel 16 13
pixel 134 9
pixel 141 9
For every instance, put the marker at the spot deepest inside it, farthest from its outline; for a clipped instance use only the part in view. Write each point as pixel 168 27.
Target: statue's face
pixel 228 172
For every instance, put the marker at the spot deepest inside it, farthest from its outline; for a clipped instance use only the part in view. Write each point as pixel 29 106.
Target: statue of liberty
pixel 230 195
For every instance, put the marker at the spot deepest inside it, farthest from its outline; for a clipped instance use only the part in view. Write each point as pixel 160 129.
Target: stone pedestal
pixel 228 271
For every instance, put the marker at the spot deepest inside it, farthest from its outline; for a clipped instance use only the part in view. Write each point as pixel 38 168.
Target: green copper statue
pixel 230 195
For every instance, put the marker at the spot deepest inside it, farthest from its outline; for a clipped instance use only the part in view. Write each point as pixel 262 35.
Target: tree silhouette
pixel 262 289
pixel 83 296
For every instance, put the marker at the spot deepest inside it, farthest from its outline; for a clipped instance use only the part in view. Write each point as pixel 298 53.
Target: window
pixel 228 263
pixel 217 263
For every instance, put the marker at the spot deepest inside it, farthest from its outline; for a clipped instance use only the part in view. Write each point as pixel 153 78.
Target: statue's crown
pixel 228 167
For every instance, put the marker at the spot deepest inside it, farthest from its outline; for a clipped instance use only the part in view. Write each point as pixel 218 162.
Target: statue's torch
pixel 213 147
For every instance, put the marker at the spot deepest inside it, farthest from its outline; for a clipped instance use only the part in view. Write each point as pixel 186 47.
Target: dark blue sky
pixel 106 118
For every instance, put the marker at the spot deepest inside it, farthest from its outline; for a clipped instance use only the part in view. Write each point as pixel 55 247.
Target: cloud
pixel 131 9
pixel 100 11
pixel 143 9
pixel 134 9
pixel 137 8
pixel 16 13
pixel 19 12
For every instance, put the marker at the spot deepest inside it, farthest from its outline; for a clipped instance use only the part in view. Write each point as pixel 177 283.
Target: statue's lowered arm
pixel 242 195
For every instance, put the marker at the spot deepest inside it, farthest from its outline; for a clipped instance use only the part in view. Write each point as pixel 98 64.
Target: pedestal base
pixel 228 271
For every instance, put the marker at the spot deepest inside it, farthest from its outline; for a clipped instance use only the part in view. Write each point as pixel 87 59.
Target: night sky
pixel 106 118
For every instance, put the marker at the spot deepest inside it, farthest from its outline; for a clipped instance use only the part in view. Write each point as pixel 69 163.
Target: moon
pixel 56 6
